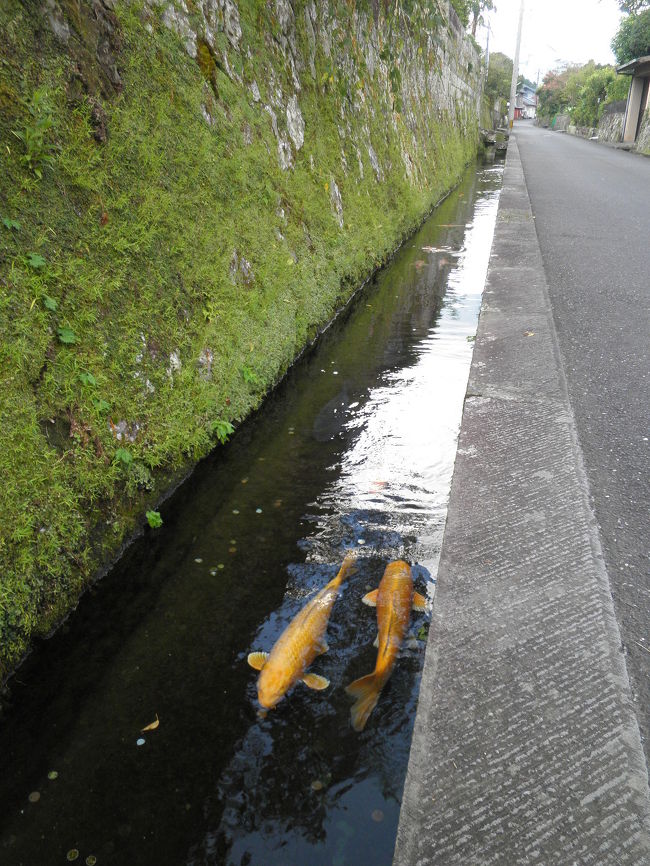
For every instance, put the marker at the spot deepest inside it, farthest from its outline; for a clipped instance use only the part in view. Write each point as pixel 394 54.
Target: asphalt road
pixel 591 205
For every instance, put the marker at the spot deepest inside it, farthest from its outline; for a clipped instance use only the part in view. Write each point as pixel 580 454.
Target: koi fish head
pixel 273 684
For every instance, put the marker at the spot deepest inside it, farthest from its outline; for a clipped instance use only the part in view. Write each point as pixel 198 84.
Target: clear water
pixel 354 450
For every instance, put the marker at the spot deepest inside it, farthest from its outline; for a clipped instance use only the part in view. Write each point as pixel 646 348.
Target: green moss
pixel 144 239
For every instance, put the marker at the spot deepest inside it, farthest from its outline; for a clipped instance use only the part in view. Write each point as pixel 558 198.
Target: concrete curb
pixel 526 748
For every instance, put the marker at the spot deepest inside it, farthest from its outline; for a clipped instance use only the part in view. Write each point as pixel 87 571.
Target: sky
pixel 554 32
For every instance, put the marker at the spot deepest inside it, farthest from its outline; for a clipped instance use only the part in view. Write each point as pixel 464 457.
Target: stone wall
pixel 190 190
pixel 610 126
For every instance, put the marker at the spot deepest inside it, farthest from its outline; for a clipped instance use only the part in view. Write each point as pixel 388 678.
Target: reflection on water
pixel 355 450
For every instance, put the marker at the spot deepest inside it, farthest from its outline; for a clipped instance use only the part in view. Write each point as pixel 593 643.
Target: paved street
pixel 526 746
pixel 592 211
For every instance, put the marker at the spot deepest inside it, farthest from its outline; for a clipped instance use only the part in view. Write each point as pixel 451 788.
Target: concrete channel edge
pixel 526 748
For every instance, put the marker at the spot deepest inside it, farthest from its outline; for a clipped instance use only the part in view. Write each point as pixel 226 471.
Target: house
pixel 525 101
pixel 637 99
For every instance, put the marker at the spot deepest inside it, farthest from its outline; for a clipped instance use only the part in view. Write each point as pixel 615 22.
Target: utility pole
pixel 515 70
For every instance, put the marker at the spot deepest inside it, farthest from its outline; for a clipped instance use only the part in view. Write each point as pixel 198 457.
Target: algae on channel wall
pixel 189 191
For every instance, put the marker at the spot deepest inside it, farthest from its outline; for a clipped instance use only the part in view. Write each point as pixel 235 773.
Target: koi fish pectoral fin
pixel 322 647
pixel 375 643
pixel 371 598
pixel 419 602
pixel 257 660
pixel 315 681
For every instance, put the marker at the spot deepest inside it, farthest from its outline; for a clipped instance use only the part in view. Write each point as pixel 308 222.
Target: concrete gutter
pixel 526 748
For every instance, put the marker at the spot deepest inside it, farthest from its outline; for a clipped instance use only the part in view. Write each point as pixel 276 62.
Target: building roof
pixel 634 66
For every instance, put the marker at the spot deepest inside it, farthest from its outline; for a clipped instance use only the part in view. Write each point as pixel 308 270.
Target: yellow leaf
pixel 327 186
pixel 290 261
pixel 152 726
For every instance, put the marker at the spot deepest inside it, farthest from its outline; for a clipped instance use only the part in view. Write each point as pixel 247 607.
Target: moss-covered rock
pixel 189 191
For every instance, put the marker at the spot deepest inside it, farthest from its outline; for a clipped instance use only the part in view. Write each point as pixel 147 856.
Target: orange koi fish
pixel 298 645
pixel 394 600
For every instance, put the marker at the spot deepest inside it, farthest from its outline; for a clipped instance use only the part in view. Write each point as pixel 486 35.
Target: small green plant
pixel 101 405
pixel 67 336
pixel 36 261
pixel 222 430
pixel 87 379
pixel 154 519
pixel 35 134
pixel 123 456
pixel 11 224
pixel 249 375
pixel 49 303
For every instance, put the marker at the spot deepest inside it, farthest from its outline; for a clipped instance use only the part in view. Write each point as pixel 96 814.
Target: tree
pixel 632 39
pixel 497 86
pixel 631 7
pixel 472 9
pixel 476 8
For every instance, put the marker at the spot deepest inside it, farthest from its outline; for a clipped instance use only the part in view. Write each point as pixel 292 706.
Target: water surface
pixel 354 450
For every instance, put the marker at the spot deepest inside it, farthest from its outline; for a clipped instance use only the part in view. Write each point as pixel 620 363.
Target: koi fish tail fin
pixel 347 568
pixel 366 691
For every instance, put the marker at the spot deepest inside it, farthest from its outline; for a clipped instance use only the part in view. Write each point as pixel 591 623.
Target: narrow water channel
pixel 354 450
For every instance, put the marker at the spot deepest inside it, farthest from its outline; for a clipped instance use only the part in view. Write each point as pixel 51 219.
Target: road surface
pixel 591 205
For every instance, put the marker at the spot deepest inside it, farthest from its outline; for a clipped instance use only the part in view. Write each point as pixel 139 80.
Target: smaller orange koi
pixel 394 600
pixel 298 645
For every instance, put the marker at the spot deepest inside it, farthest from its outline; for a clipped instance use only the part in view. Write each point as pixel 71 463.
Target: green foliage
pixel 11 224
pixel 222 430
pixel 580 91
pixel 36 261
pixel 67 336
pixel 123 456
pixel 499 77
pixel 154 519
pixel 633 6
pixel 124 252
pixel 35 133
pixel 632 39
pixel 249 375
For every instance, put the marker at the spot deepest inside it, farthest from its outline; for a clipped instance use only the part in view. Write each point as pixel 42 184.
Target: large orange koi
pixel 298 645
pixel 394 600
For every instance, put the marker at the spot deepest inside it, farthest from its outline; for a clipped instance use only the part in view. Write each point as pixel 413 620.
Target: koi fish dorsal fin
pixel 257 660
pixel 371 598
pixel 315 681
pixel 419 601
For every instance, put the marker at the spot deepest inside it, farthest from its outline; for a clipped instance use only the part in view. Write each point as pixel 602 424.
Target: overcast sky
pixel 554 32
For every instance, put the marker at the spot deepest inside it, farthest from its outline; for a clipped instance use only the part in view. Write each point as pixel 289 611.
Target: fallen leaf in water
pixel 52 775
pixel 72 854
pixel 317 785
pixel 529 333
pixel 34 797
pixel 377 815
pixel 152 726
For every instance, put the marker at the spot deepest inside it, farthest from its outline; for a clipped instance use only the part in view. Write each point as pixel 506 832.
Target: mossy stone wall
pixel 189 190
